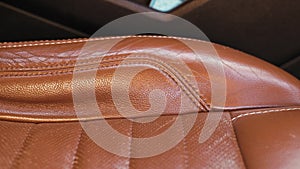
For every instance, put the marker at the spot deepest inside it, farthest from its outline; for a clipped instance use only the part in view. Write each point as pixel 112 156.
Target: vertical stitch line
pixel 25 144
pixel 235 137
pixel 76 154
pixel 185 155
pixel 130 144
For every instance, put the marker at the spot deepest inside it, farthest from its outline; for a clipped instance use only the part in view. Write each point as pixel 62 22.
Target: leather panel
pixel 269 138
pixel 66 145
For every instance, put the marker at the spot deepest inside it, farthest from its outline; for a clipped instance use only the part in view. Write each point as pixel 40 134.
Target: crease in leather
pixel 15 118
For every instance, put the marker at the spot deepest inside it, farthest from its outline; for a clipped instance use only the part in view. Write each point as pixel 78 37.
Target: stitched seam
pixel 235 139
pixel 95 39
pixel 118 58
pixel 38 41
pixel 185 155
pixel 21 74
pixel 75 161
pixel 185 82
pixel 58 42
pixel 192 93
pixel 57 72
pixel 130 146
pixel 25 144
pixel 263 112
pixel 170 77
pixel 70 63
pixel 55 42
pixel 201 100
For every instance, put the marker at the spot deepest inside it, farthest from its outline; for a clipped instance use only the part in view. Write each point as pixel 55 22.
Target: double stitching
pixel 60 42
pixel 163 71
pixel 70 63
pixel 180 80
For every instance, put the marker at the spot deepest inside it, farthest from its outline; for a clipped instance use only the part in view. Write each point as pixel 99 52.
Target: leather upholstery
pixel 39 128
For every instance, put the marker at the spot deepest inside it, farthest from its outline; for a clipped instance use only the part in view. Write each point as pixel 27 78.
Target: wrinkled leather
pixel 39 127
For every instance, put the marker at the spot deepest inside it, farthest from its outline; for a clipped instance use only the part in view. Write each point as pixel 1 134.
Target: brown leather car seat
pixel 259 126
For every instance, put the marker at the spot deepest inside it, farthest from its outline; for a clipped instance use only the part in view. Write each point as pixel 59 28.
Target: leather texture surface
pixel 259 127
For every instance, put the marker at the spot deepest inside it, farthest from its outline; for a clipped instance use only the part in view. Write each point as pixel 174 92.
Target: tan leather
pixel 39 128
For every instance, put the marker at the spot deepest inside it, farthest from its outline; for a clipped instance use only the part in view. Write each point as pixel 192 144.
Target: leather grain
pixel 39 127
